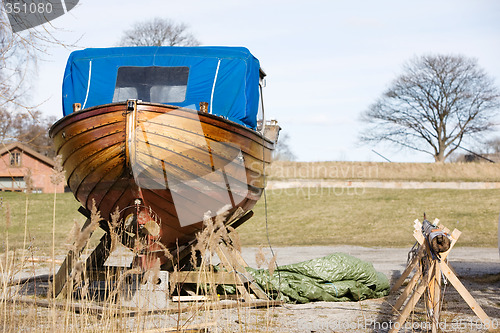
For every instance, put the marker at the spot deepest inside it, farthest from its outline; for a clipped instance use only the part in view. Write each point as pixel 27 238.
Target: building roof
pixel 5 148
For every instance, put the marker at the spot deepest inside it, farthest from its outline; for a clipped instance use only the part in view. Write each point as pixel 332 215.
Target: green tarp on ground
pixel 337 277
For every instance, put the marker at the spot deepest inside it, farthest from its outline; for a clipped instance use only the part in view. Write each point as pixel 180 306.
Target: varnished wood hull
pixel 181 164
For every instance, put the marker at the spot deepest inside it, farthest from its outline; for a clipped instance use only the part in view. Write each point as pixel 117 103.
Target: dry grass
pixel 22 310
pixel 434 172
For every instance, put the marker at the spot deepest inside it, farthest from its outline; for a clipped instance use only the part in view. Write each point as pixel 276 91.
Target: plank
pixel 418 236
pixel 77 307
pixel 195 298
pixel 91 308
pixel 409 288
pixel 95 260
pixel 204 278
pixel 241 265
pixel 466 295
pixel 409 269
pixel 62 275
pixel 412 302
pixel 98 257
pixel 236 262
pixel 436 300
pixel 229 265
pixel 254 304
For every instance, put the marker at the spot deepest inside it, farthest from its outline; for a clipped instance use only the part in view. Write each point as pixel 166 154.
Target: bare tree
pixel 31 129
pixel 158 32
pixel 436 103
pixel 17 62
pixel 283 152
pixel 19 53
pixel 492 146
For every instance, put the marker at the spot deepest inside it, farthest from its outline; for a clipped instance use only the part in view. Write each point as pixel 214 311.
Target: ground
pixel 477 268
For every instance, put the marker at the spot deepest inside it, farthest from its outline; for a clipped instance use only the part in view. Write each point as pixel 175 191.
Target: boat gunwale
pixel 54 129
pixel 221 121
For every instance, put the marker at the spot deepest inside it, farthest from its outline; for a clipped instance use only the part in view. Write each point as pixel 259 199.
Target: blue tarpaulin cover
pixel 225 77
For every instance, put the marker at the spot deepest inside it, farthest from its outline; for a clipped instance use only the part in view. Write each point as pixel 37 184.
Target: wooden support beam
pixel 242 265
pixel 234 261
pixel 234 273
pixel 415 297
pixel 94 261
pixel 180 257
pixel 408 290
pixel 417 234
pixel 204 278
pixel 229 265
pixel 64 272
pixel 98 257
pixel 466 295
pixel 436 298
pixel 413 264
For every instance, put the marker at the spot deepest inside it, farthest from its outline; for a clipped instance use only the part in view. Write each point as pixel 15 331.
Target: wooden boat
pixel 162 164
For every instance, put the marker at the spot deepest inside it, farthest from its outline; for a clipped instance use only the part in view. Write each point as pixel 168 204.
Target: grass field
pixel 39 217
pixel 435 172
pixel 370 217
pixel 356 216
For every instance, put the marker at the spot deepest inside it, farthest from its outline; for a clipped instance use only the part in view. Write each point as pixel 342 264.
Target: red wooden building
pixel 18 163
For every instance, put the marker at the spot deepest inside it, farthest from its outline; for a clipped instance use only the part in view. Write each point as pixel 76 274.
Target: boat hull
pixel 178 165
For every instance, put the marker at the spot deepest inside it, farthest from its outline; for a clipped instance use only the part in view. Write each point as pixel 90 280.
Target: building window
pixel 15 159
pixel 12 184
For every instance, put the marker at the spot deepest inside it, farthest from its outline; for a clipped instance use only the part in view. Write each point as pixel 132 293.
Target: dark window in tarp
pixel 151 84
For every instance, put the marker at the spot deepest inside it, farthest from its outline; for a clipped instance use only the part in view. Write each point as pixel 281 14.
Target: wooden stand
pixel 233 273
pixel 233 269
pixel 428 279
pixel 63 279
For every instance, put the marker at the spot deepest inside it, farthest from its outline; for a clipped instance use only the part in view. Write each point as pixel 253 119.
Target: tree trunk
pixel 439 157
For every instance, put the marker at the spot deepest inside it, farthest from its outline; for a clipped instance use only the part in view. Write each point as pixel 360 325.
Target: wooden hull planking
pixel 180 163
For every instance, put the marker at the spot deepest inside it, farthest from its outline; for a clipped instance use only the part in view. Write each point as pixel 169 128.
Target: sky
pixel 326 61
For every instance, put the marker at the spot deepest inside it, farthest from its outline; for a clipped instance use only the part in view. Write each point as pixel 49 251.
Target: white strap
pixel 88 85
pixel 213 87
